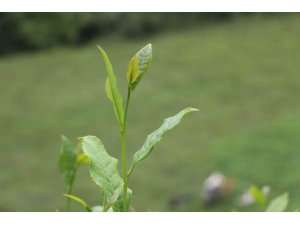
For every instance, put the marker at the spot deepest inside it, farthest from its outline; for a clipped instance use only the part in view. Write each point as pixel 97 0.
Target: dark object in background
pixel 32 31
pixel 215 187
pixel 175 202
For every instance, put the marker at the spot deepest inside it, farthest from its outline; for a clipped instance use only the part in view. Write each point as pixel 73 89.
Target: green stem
pixel 68 199
pixel 124 167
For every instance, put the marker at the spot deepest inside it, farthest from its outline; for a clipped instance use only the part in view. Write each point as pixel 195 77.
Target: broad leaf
pixel 103 167
pixel 118 206
pixel 82 159
pixel 67 161
pixel 279 204
pixel 156 136
pixel 79 200
pixel 258 195
pixel 111 88
pixel 139 65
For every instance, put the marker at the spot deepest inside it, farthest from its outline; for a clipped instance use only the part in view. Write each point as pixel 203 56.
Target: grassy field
pixel 242 75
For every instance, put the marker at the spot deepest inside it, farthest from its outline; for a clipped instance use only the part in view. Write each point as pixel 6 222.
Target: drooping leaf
pixel 118 206
pixel 279 204
pixel 111 88
pixel 67 161
pixel 79 200
pixel 103 167
pixel 82 159
pixel 258 195
pixel 139 65
pixel 156 136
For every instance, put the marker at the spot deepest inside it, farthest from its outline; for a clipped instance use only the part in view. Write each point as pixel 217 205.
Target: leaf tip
pixel 102 51
pixel 194 109
pixel 191 109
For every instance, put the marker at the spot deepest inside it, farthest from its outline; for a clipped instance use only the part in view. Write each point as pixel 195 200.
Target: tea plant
pixel 278 204
pixel 103 168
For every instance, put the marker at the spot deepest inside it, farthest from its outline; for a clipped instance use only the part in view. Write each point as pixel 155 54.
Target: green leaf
pixel 111 88
pixel 258 195
pixel 112 200
pixel 79 200
pixel 67 161
pixel 118 206
pixel 108 91
pixel 279 204
pixel 82 159
pixel 133 69
pixel 139 65
pixel 156 136
pixel 103 167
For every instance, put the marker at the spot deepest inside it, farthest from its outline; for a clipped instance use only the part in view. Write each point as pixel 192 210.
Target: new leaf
pixel 258 195
pixel 139 65
pixel 156 136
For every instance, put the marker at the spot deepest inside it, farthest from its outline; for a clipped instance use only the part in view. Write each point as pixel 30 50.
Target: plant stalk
pixel 124 167
pixel 68 199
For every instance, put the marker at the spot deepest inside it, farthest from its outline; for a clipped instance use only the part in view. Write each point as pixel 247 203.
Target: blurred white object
pixel 215 187
pixel 247 199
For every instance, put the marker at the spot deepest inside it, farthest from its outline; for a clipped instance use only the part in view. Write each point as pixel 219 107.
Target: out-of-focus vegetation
pixel 243 75
pixel 32 31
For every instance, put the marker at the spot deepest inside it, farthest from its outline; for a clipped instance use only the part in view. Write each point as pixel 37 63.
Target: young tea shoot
pixel 103 168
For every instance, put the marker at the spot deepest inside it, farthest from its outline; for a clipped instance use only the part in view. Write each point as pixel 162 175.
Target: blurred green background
pixel 240 70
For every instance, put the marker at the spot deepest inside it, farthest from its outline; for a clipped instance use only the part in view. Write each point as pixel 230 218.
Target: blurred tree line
pixel 32 31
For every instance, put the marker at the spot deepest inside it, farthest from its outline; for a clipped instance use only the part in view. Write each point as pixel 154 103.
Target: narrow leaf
pixel 139 65
pixel 67 161
pixel 79 200
pixel 156 136
pixel 82 159
pixel 258 195
pixel 279 204
pixel 111 88
pixel 103 167
pixel 108 90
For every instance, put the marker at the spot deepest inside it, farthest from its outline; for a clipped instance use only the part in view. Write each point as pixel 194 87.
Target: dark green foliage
pixel 31 31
